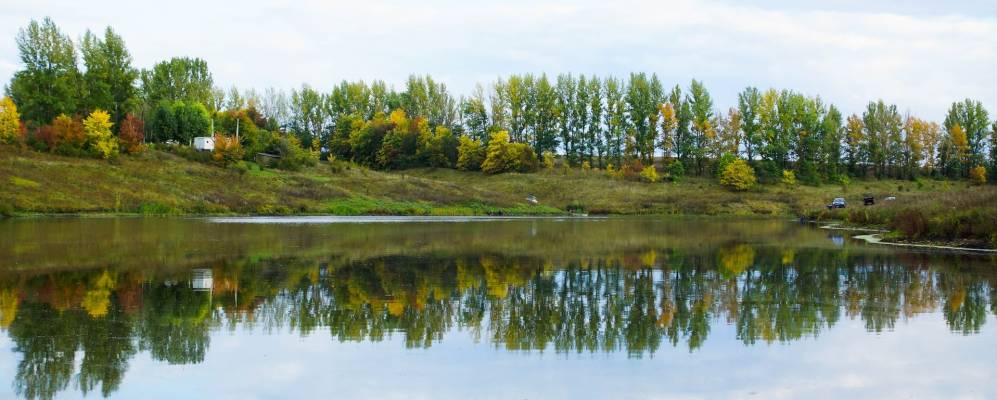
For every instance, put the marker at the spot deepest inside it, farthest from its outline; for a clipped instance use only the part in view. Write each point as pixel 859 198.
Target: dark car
pixel 838 202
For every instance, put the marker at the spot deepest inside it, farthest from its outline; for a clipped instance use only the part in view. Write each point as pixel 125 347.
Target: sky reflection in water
pixel 519 308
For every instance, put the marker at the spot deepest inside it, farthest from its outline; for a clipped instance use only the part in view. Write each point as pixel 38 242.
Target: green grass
pixel 160 183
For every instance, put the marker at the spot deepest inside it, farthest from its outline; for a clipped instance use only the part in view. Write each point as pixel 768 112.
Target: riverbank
pixel 160 183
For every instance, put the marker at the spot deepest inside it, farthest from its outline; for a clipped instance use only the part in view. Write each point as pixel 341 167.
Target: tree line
pixel 516 123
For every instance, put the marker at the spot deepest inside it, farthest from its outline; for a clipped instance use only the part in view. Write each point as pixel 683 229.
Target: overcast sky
pixel 919 54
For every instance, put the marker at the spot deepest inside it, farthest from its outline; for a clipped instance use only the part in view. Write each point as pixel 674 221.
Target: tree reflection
pixel 634 301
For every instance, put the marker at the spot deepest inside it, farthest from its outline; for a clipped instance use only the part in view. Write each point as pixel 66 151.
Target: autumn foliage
pixel 131 134
pixel 978 175
pixel 228 150
pixel 738 176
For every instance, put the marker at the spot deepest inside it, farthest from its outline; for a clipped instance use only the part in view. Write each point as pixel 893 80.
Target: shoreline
pixel 875 238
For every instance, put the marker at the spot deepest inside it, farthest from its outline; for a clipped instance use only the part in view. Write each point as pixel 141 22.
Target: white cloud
pixel 922 60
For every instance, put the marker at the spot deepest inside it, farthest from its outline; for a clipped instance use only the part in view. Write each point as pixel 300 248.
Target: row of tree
pixel 599 120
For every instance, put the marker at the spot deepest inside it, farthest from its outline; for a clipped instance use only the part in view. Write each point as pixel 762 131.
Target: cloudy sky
pixel 919 54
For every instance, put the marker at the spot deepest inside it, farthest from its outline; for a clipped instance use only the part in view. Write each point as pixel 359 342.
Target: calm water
pixel 491 308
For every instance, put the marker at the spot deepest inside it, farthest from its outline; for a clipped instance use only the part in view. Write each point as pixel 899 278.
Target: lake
pixel 492 308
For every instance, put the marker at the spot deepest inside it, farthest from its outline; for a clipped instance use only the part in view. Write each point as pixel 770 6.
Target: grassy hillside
pixel 161 183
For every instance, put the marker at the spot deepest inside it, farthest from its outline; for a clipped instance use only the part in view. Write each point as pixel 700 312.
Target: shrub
pixel 100 140
pixel 738 176
pixel 649 174
pixel 470 154
pixel 70 136
pixel 631 170
pixel 676 170
pixel 912 223
pixel 548 159
pixel 227 150
pixel 131 135
pixel 6 210
pixel 978 175
pixel 722 162
pixel 788 178
pixel 292 156
pixel 586 166
pixel 503 156
pixel 10 121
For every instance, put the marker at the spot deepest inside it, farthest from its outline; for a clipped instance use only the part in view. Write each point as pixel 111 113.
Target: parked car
pixel 869 200
pixel 838 202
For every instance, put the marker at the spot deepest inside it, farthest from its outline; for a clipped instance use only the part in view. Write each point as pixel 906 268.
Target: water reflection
pixel 642 288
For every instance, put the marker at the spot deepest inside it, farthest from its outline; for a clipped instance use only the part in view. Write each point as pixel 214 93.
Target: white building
pixel 204 143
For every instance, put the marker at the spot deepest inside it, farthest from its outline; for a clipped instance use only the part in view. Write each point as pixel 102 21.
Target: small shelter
pixel 204 143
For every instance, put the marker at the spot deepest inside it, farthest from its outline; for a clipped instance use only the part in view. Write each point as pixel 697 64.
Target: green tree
pixel 109 78
pixel 701 105
pixel 179 79
pixel 615 119
pixel 882 123
pixel 644 98
pixel 975 121
pixel 49 84
pixel 748 104
pixel 474 114
pixel 544 117
pixel 307 117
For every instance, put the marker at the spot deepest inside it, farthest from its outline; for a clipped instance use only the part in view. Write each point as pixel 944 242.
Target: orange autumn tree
pixel 228 150
pixel 131 134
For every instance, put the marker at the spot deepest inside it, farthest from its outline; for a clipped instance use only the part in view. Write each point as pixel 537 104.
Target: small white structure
pixel 204 143
pixel 202 279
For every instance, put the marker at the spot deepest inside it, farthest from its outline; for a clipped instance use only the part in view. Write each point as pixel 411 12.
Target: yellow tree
pixel 100 141
pixel 730 131
pixel 669 122
pixel 929 144
pixel 854 141
pixel 912 144
pixel 10 120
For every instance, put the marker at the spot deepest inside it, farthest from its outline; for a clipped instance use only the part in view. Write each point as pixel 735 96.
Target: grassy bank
pixel 948 216
pixel 164 184
pixel 161 183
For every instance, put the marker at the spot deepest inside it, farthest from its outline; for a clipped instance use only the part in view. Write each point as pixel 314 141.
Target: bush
pixel 722 163
pixel 788 178
pixel 978 175
pixel 130 134
pixel 912 223
pixel 649 174
pixel 738 176
pixel 10 121
pixel 503 156
pixel 631 171
pixel 586 166
pixel 676 170
pixel 470 154
pixel 227 150
pixel 548 159
pixel 100 141
pixel 292 156
pixel 6 210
